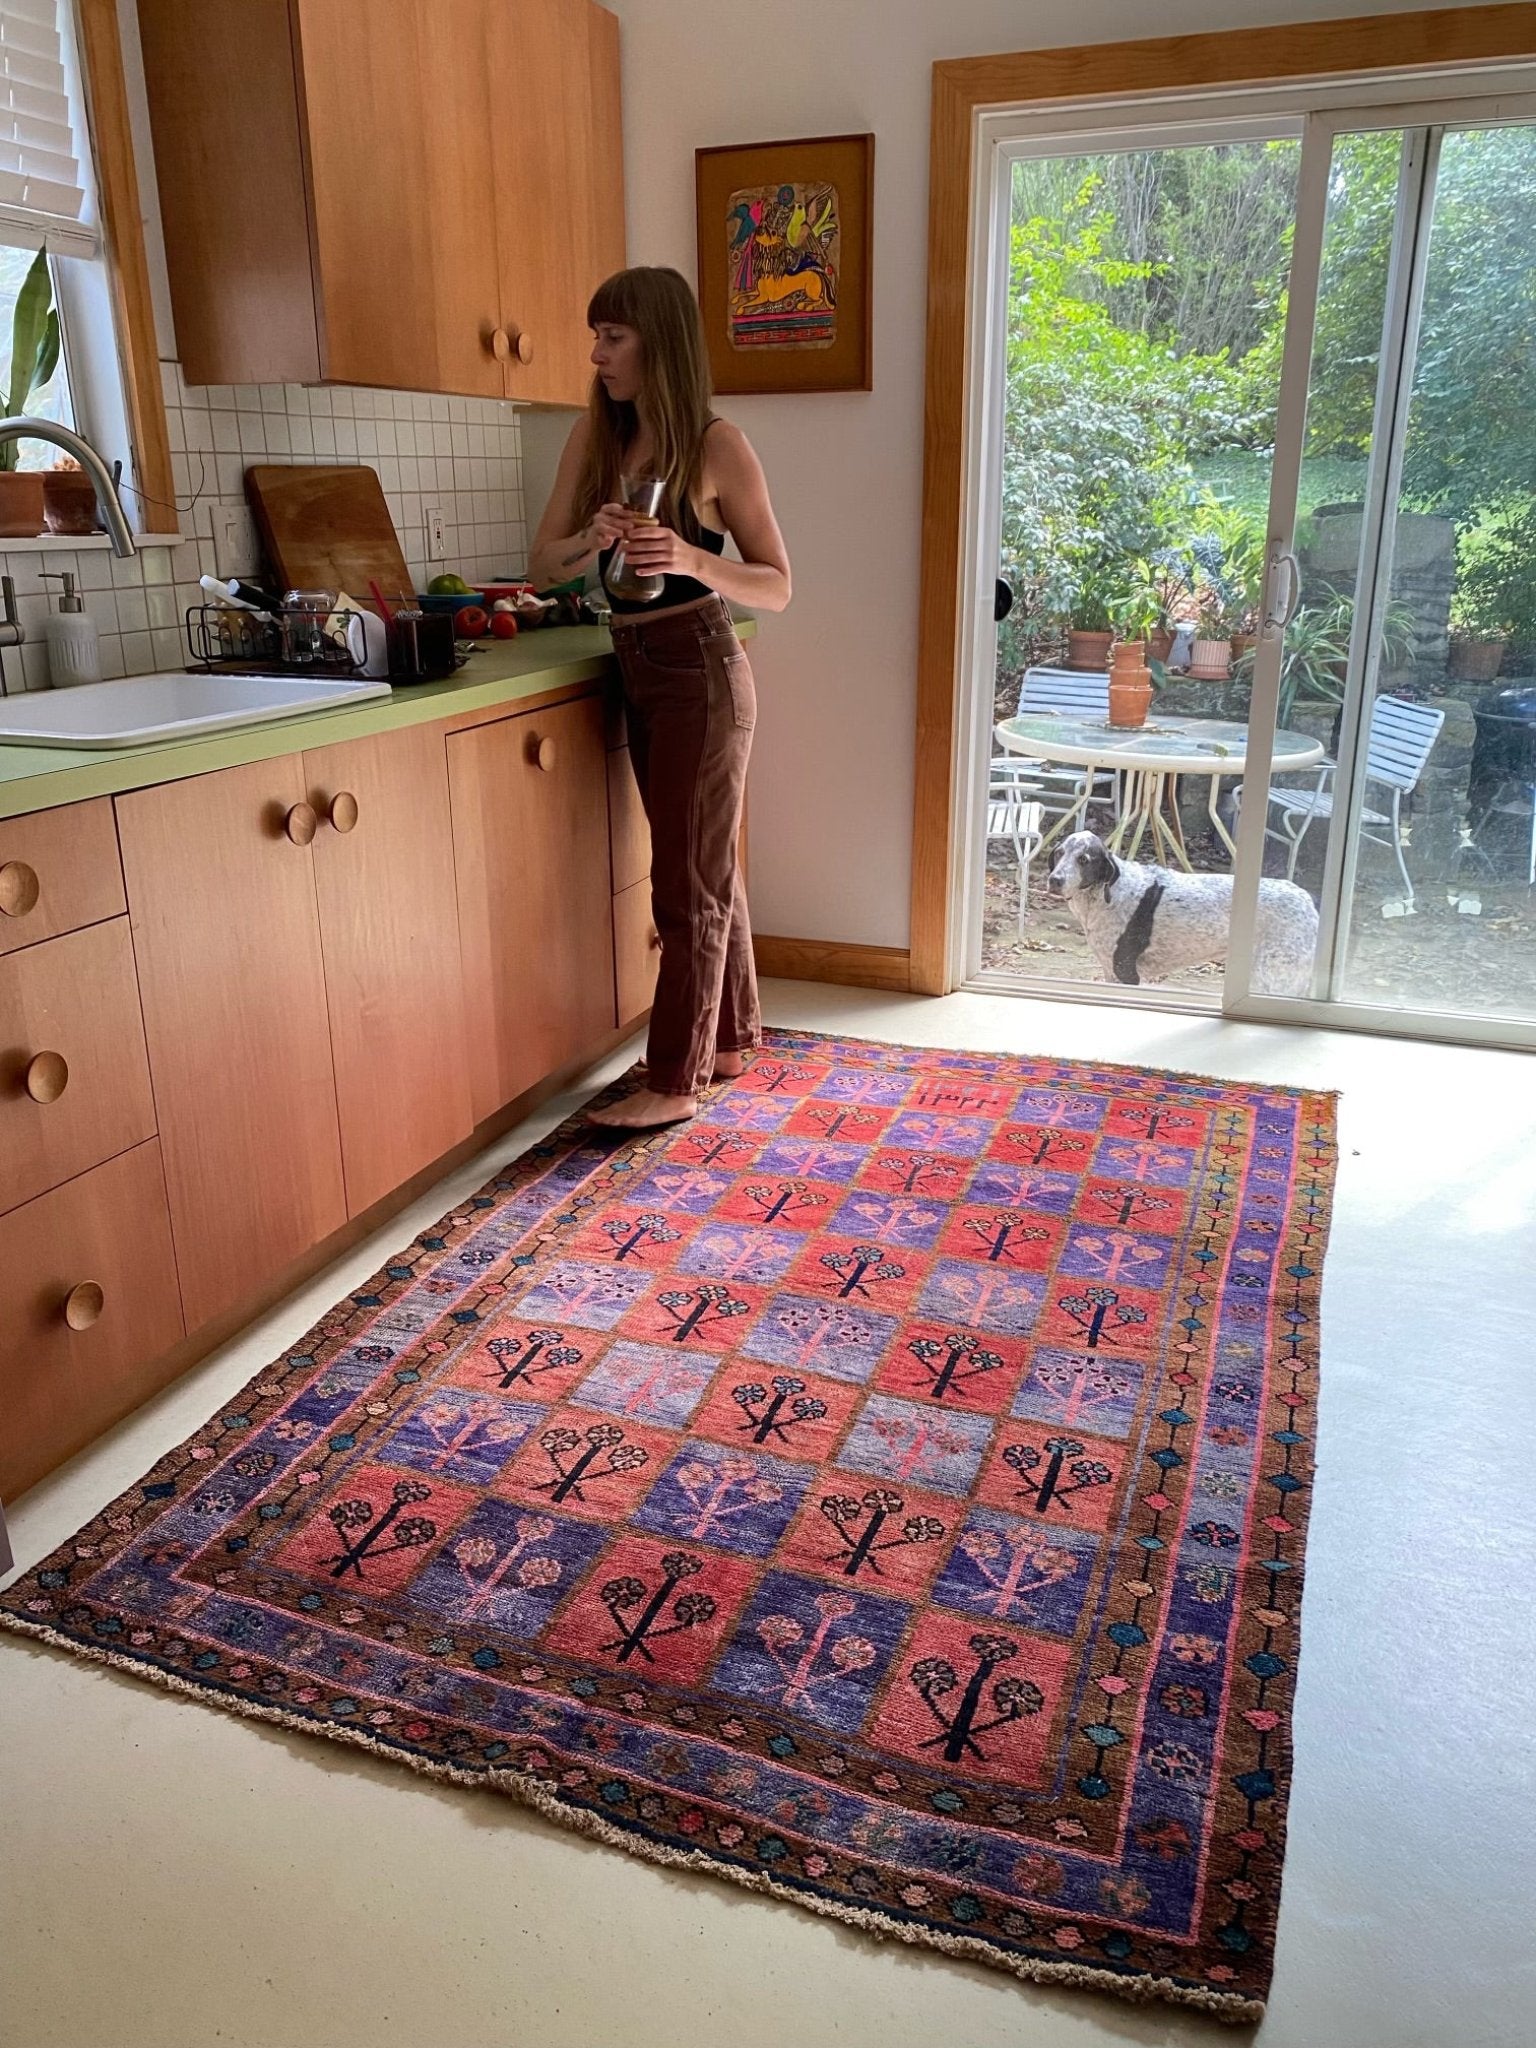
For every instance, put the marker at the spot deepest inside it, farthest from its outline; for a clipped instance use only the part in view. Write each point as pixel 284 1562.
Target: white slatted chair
pixel 1402 735
pixel 1073 693
pixel 1014 814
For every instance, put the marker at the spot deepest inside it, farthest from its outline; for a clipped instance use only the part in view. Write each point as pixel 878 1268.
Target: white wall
pixel 832 771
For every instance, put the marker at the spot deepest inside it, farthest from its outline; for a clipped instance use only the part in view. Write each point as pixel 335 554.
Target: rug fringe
pixel 1231 2007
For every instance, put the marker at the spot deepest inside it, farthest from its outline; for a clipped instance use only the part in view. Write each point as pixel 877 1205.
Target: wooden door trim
pixel 117 185
pixel 964 86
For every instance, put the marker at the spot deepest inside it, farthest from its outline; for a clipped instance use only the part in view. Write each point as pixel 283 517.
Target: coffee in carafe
pixel 642 495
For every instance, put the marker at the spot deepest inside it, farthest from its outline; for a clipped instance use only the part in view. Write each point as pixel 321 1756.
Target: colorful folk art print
pixel 783 248
pixel 887 1491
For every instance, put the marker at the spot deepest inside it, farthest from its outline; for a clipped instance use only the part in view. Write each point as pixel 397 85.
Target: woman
pixel 688 688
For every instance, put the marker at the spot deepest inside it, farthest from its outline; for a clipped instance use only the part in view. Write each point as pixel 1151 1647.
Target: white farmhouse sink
pixel 139 709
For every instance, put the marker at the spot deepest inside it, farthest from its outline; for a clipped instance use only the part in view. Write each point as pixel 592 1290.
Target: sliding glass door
pixel 1255 391
pixel 1400 607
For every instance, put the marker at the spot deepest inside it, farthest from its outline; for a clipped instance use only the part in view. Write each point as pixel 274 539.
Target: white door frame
pixel 1317 111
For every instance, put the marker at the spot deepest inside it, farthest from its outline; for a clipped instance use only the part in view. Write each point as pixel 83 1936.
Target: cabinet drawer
pixel 629 835
pixel 74 1078
pixel 88 1304
pixel 58 870
pixel 636 952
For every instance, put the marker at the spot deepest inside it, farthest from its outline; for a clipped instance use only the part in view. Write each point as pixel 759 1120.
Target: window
pixel 48 202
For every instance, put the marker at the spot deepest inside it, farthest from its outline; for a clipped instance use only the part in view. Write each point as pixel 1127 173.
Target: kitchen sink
pixel 140 709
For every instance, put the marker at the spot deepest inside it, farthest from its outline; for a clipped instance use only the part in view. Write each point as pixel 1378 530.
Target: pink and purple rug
pixel 887 1491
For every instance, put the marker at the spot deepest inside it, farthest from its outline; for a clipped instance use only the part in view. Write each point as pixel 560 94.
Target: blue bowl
pixel 450 601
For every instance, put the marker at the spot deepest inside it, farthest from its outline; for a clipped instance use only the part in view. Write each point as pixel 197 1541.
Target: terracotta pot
pixel 1211 660
pixel 1130 684
pixel 69 501
pixel 1475 661
pixel 1089 651
pixel 21 504
pixel 1161 644
pixel 1243 643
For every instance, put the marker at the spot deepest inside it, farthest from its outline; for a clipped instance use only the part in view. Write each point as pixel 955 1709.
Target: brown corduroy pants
pixel 691 706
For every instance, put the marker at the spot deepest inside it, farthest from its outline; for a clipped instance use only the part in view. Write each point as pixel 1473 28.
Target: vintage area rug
pixel 887 1491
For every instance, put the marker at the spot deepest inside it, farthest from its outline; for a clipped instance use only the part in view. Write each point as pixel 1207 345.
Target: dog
pixel 1143 922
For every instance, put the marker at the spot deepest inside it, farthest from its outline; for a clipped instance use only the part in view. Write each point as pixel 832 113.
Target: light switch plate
pixel 437 546
pixel 233 540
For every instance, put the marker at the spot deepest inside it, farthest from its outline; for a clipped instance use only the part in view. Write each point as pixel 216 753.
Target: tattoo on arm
pixel 570 561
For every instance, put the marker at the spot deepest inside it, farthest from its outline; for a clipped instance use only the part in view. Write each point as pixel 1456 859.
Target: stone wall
pixel 1423 578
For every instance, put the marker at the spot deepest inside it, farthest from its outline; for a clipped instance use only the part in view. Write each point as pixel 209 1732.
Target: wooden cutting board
pixel 327 528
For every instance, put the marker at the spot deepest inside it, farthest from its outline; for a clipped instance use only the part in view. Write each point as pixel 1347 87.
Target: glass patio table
pixel 1149 758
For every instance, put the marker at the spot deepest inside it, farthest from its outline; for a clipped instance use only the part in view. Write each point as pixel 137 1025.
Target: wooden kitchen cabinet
pixel 74 1077
pixel 58 870
pixel 530 836
pixel 416 194
pixel 88 1305
pixel 226 935
pixel 389 935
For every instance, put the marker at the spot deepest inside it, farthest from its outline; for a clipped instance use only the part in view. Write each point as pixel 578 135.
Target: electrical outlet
pixel 437 544
pixel 229 526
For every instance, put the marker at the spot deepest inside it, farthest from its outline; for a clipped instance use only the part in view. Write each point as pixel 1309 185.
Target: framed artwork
pixel 785 273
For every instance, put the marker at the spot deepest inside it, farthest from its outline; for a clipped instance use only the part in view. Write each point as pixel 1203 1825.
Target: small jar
pixel 302 625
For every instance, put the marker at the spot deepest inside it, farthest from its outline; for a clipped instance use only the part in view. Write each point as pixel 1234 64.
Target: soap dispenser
pixel 74 653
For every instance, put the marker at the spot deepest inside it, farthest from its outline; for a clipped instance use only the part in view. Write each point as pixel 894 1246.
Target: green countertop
pixel 501 673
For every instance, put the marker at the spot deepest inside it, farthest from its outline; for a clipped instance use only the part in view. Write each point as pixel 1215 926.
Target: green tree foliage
pixel 1102 419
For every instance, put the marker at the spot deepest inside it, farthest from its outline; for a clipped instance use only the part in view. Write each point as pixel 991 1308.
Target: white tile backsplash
pixel 463 455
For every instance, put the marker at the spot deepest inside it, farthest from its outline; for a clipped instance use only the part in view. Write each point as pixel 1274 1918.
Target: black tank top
pixel 674 589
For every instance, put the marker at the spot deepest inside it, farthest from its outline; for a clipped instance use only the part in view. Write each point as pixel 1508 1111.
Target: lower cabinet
pixel 221 898
pixel 88 1303
pixel 389 936
pixel 636 952
pixel 530 838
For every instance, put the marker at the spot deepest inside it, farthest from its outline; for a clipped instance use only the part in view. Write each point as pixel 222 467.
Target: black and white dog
pixel 1143 922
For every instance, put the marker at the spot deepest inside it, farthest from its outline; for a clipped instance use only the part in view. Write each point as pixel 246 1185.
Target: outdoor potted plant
pixel 34 358
pixel 1210 658
pixel 1089 632
pixel 1133 614
pixel 1492 577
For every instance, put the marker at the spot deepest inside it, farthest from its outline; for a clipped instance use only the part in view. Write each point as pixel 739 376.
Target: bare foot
pixel 728 1066
pixel 645 1111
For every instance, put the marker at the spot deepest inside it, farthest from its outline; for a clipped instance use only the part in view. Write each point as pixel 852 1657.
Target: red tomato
pixel 504 626
pixel 469 622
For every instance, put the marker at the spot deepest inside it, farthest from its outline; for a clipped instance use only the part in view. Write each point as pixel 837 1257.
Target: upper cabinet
pixel 417 194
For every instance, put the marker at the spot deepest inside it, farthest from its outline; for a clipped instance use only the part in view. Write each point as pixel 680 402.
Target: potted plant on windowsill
pixel 34 358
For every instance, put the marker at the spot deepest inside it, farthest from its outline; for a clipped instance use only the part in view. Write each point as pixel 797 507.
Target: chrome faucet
pixel 21 428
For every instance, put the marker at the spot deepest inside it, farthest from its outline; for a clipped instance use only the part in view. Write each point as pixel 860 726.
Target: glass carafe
pixel 642 495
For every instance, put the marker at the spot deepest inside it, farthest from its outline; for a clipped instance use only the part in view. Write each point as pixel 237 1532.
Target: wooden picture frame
pixel 786 241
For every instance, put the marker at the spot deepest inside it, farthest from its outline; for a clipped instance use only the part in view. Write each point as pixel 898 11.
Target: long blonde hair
pixel 674 395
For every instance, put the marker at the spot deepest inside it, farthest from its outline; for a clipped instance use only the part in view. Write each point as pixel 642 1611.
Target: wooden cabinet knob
pixel 47 1076
pixel 301 824
pixel 543 753
pixel 83 1304
pixel 18 889
pixel 501 344
pixel 342 811
pixel 524 348
pixel 654 941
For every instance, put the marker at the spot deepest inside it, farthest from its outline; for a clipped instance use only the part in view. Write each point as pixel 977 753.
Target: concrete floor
pixel 172 1877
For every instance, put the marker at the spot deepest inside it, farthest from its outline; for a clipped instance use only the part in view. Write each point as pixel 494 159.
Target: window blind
pixel 39 167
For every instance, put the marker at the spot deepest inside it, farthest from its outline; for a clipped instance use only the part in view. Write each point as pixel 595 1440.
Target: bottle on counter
pixel 69 634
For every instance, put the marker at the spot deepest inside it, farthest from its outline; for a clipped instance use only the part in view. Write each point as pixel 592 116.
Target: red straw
pixel 378 597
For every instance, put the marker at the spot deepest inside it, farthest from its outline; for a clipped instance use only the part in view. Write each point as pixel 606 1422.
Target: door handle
pixel 1278 614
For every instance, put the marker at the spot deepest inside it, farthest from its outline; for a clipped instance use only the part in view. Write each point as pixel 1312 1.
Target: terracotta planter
pixel 69 501
pixel 1243 643
pixel 1475 661
pixel 1130 684
pixel 1161 644
pixel 21 504
pixel 1211 660
pixel 1089 651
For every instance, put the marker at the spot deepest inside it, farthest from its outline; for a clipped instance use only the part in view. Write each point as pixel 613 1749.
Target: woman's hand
pixel 608 524
pixel 658 551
